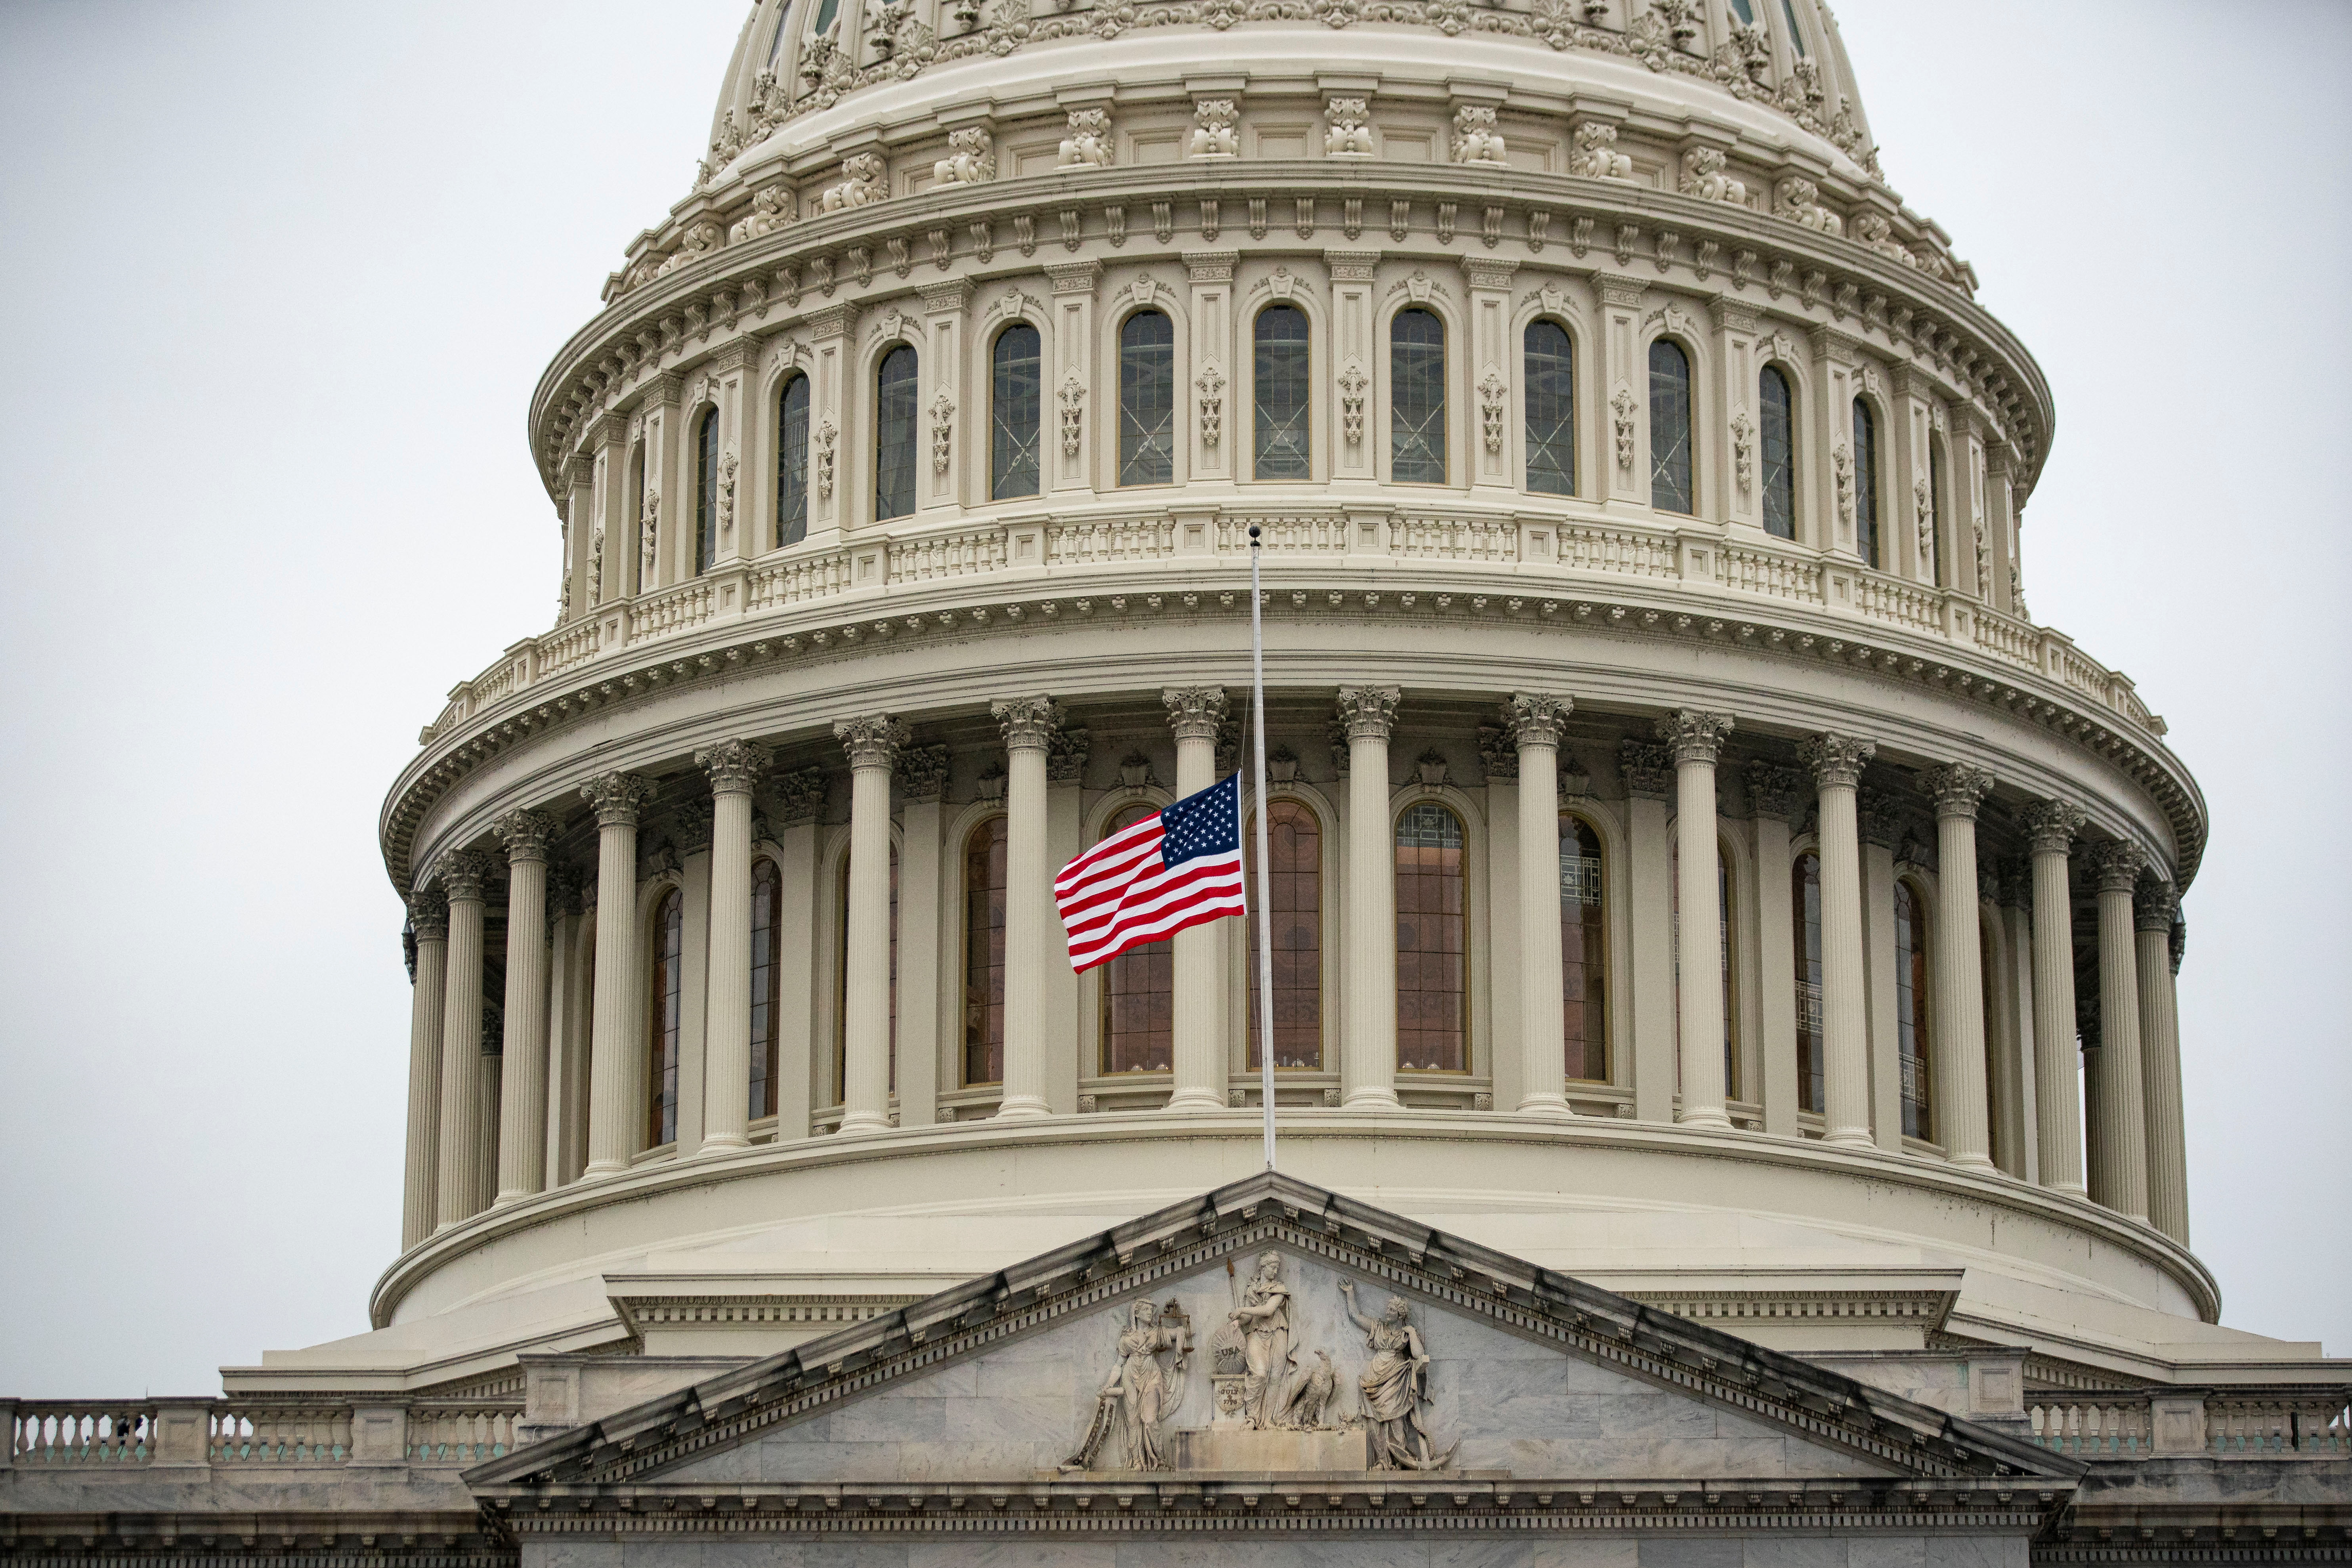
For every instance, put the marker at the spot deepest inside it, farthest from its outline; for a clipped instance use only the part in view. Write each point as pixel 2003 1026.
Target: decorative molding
pixel 1088 144
pixel 617 798
pixel 1692 735
pixel 733 766
pixel 1028 723
pixel 872 742
pixel 1836 760
pixel 2050 826
pixel 1957 789
pixel 1647 768
pixel 1369 711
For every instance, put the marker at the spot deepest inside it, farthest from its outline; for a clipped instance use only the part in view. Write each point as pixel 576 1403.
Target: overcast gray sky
pixel 276 282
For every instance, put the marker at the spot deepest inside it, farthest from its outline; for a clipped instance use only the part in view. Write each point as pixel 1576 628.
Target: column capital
pixel 1648 768
pixel 1028 723
pixel 429 915
pixel 1877 818
pixel 1195 712
pixel 733 766
pixel 1694 735
pixel 923 772
pixel 2156 903
pixel 2116 864
pixel 1957 789
pixel 872 742
pixel 462 874
pixel 1498 753
pixel 617 797
pixel 1775 790
pixel 799 796
pixel 2050 826
pixel 2016 883
pixel 691 826
pixel 1536 720
pixel 1369 711
pixel 526 834
pixel 1836 761
pixel 1067 753
pixel 564 886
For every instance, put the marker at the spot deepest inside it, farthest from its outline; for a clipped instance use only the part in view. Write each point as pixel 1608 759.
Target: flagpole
pixel 1265 907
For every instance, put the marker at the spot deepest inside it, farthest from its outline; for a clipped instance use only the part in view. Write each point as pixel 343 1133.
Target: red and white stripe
pixel 1118 895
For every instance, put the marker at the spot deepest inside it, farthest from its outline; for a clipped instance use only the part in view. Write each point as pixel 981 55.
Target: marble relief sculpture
pixel 1394 1386
pixel 1141 1394
pixel 1262 1318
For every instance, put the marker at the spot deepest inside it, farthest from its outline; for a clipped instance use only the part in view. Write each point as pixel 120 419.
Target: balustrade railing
pixel 91 1434
pixel 275 1435
pixel 2270 1423
pixel 2102 1428
pixel 465 1436
pixel 72 1432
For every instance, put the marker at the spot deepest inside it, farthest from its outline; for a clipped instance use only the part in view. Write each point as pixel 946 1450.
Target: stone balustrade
pixel 97 1434
pixel 2226 1423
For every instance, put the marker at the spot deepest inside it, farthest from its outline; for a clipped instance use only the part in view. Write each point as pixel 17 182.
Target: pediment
pixel 1532 1378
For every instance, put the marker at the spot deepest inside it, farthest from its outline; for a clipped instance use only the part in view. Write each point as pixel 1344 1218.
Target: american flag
pixel 1180 867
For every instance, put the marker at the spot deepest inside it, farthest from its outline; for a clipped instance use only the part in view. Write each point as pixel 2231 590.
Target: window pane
pixel 1934 542
pixel 1147 400
pixel 1139 992
pixel 1777 438
pixel 1796 34
pixel 983 954
pixel 1865 483
pixel 1280 381
pixel 661 1046
pixel 1551 410
pixel 1747 17
pixel 1911 1011
pixel 1417 398
pixel 1805 920
pixel 841 979
pixel 1014 378
pixel 706 492
pixel 894 443
pixel 767 970
pixel 1583 950
pixel 1294 895
pixel 792 462
pixel 1670 428
pixel 1432 944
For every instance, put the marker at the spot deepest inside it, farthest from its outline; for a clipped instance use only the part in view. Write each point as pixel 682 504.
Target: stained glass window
pixel 1583 950
pixel 661 1046
pixel 1139 992
pixel 1550 410
pixel 1865 483
pixel 1279 380
pixel 706 492
pixel 984 883
pixel 767 970
pixel 792 462
pixel 1294 895
pixel 1417 398
pixel 1911 1037
pixel 1805 923
pixel 1670 428
pixel 1147 399
pixel 1776 439
pixel 895 434
pixel 1432 942
pixel 1014 378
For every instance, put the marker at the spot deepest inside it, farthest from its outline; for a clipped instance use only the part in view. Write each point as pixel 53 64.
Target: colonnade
pixel 479 1127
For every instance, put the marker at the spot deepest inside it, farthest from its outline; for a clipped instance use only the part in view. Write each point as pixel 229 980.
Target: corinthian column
pixel 2051 828
pixel 733 767
pixel 1696 738
pixel 463 1182
pixel 428 916
pixel 1028 723
pixel 1836 762
pixel 2154 908
pixel 873 746
pixel 1195 713
pixel 2118 1124
pixel 522 1091
pixel 1959 965
pixel 1368 1049
pixel 612 1114
pixel 1536 722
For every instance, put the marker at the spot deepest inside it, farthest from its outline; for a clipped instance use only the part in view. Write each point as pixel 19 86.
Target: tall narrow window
pixel 637 467
pixel 841 978
pixel 1551 409
pixel 894 434
pixel 1279 380
pixel 1796 34
pixel 1911 1013
pixel 1747 17
pixel 706 492
pixel 1417 398
pixel 1139 992
pixel 792 462
pixel 1432 942
pixel 1777 446
pixel 1147 399
pixel 776 42
pixel 1805 923
pixel 1723 947
pixel 1934 542
pixel 767 971
pixel 1583 950
pixel 1996 1121
pixel 667 984
pixel 1670 428
pixel 1015 376
pixel 828 11
pixel 1865 483
pixel 1294 896
pixel 984 883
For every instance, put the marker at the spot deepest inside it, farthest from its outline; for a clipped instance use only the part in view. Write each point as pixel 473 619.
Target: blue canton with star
pixel 1209 822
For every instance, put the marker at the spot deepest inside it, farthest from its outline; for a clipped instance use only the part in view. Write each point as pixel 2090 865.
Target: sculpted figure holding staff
pixel 1395 1385
pixel 1263 1318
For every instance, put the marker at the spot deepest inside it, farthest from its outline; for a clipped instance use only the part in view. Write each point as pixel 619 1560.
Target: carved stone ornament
pixel 1648 769
pixel 1596 156
pixel 1347 128
pixel 1196 712
pixel 942 431
pixel 1210 384
pixel 733 766
pixel 526 834
pixel 617 798
pixel 1622 407
pixel 1703 177
pixel 799 797
pixel 1213 136
pixel 1141 1394
pixel 1836 761
pixel 1028 723
pixel 1743 450
pixel 1494 397
pixel 1475 140
pixel 727 496
pixel 971 160
pixel 649 539
pixel 1775 791
pixel 827 440
pixel 1535 719
pixel 1352 385
pixel 1066 753
pixel 1498 758
pixel 1798 199
pixel 1072 398
pixel 1369 711
pixel 1925 507
pixel 872 742
pixel 772 209
pixel 1393 1388
pixel 1842 466
pixel 2050 826
pixel 1088 144
pixel 428 916
pixel 2156 904
pixel 2116 864
pixel 863 183
pixel 1694 736
pixel 1957 788
pixel 922 772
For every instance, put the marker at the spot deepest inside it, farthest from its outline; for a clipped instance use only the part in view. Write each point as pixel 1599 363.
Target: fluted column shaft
pixel 463 1182
pixel 873 746
pixel 1836 762
pixel 522 1091
pixel 612 1115
pixel 1194 713
pixel 1959 964
pixel 1028 723
pixel 2159 1055
pixel 2057 1091
pixel 1536 722
pixel 1696 738
pixel 428 916
pixel 1367 1049
pixel 734 766
pixel 2118 1128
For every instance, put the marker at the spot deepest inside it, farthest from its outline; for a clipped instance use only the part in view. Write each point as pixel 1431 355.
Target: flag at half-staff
pixel 1180 867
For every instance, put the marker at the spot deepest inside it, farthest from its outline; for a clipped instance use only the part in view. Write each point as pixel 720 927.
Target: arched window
pixel 1014 378
pixel 767 972
pixel 666 986
pixel 1776 439
pixel 1584 950
pixel 1432 942
pixel 1294 896
pixel 1278 379
pixel 1723 944
pixel 1934 542
pixel 841 979
pixel 894 434
pixel 706 492
pixel 1417 398
pixel 1139 992
pixel 1147 399
pixel 792 462
pixel 1551 409
pixel 984 883
pixel 1865 483
pixel 1913 1041
pixel 1805 925
pixel 1670 428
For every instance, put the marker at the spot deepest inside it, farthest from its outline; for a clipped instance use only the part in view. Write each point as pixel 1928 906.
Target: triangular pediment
pixel 1532 1377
